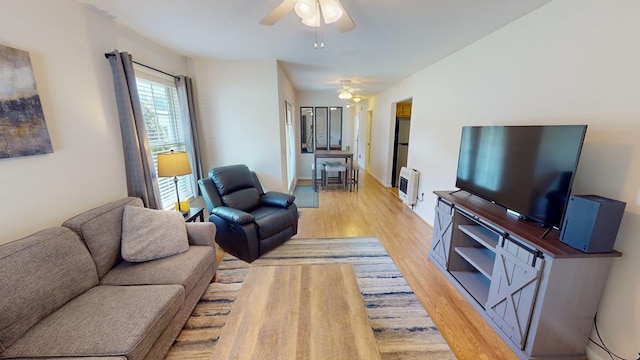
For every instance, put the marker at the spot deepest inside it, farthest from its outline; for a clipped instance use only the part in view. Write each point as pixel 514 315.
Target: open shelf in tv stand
pixel 540 295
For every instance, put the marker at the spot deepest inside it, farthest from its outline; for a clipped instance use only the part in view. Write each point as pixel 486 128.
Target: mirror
pixel 320 128
pixel 306 129
pixel 335 128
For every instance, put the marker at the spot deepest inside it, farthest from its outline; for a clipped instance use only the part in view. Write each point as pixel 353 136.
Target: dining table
pixel 329 154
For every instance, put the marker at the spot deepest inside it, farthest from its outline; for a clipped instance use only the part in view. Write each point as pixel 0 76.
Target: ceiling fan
pixel 346 92
pixel 309 11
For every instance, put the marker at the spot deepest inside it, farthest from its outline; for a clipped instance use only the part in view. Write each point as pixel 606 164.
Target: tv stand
pixel 540 296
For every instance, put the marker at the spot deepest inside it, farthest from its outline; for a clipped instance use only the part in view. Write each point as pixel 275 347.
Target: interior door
pixel 290 146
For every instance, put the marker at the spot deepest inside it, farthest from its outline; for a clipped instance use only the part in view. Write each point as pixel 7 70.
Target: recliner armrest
pixel 277 199
pixel 233 215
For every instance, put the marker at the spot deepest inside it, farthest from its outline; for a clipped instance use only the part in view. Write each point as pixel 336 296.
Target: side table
pixel 193 214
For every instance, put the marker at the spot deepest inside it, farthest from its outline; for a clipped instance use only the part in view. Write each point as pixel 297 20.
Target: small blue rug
pixel 305 196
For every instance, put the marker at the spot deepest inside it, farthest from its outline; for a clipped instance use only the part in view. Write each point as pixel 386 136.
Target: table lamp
pixel 174 163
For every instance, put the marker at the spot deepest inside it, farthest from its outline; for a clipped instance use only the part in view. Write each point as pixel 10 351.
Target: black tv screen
pixel 527 169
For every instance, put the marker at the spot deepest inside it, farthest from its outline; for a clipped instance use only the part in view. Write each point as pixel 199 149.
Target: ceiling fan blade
pixel 279 12
pixel 345 23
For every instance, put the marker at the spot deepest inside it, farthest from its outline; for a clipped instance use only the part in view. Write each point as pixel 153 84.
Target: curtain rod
pixel 106 55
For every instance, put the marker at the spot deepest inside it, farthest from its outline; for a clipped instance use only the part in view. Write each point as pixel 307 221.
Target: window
pixel 163 124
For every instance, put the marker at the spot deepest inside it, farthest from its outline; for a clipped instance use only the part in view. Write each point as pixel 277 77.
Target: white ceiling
pixel 392 39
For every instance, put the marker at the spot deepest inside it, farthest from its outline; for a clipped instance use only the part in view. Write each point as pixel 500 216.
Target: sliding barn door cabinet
pixel 539 294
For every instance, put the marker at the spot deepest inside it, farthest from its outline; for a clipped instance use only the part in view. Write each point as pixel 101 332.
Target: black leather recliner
pixel 249 221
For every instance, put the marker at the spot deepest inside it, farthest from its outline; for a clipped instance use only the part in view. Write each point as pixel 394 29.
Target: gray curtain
pixel 184 84
pixel 140 171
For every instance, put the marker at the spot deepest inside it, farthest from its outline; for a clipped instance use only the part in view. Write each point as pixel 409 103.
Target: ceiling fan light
pixel 306 9
pixel 331 11
pixel 344 95
pixel 313 21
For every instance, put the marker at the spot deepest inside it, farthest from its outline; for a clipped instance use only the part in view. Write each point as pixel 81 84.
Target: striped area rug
pixel 401 326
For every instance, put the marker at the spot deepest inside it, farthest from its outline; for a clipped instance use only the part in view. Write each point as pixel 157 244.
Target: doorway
pixel 401 139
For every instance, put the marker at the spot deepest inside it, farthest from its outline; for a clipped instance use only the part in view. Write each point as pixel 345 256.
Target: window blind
pixel 163 124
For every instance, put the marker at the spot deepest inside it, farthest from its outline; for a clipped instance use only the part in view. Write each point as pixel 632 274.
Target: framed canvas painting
pixel 23 130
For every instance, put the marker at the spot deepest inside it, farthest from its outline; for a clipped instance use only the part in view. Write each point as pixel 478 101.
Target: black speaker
pixel 591 223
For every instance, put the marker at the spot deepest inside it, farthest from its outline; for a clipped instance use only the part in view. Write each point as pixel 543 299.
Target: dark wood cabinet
pixel 403 110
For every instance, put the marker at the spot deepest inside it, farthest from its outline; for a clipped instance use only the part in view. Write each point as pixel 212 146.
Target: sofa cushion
pixel 149 234
pixel 39 274
pixel 104 321
pixel 183 269
pixel 101 230
pixel 272 220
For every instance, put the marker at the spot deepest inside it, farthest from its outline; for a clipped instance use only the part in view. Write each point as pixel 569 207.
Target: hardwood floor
pixel 377 211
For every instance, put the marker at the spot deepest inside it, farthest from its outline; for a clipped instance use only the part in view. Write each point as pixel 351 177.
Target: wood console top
pixel 528 231
pixel 298 312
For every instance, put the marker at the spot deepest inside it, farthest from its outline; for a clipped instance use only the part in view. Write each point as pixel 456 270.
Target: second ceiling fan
pixel 312 13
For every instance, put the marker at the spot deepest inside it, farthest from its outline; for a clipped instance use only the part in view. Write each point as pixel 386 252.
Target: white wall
pixel 67 42
pixel 328 99
pixel 239 114
pixel 569 62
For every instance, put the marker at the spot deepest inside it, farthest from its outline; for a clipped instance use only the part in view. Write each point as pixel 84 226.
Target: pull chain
pixel 319 25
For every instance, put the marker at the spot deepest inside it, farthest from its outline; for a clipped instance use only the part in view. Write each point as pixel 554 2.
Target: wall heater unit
pixel 408 186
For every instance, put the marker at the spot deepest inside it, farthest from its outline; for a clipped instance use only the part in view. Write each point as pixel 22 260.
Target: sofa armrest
pixel 233 215
pixel 277 199
pixel 201 233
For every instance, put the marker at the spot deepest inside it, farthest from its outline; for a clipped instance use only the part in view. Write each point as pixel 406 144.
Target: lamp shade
pixel 173 163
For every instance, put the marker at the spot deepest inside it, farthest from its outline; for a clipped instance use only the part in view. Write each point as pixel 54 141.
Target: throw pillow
pixel 152 234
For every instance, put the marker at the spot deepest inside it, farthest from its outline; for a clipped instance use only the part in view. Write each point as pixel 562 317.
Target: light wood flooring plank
pixel 374 210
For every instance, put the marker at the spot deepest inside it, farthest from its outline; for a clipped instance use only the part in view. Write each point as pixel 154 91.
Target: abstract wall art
pixel 23 130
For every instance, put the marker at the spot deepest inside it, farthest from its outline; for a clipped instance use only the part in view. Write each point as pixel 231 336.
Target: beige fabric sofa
pixel 66 292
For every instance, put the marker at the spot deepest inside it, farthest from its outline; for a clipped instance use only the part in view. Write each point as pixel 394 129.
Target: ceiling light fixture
pixel 345 95
pixel 357 99
pixel 345 90
pixel 309 11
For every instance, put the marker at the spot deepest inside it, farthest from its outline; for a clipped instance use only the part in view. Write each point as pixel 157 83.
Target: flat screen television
pixel 527 169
